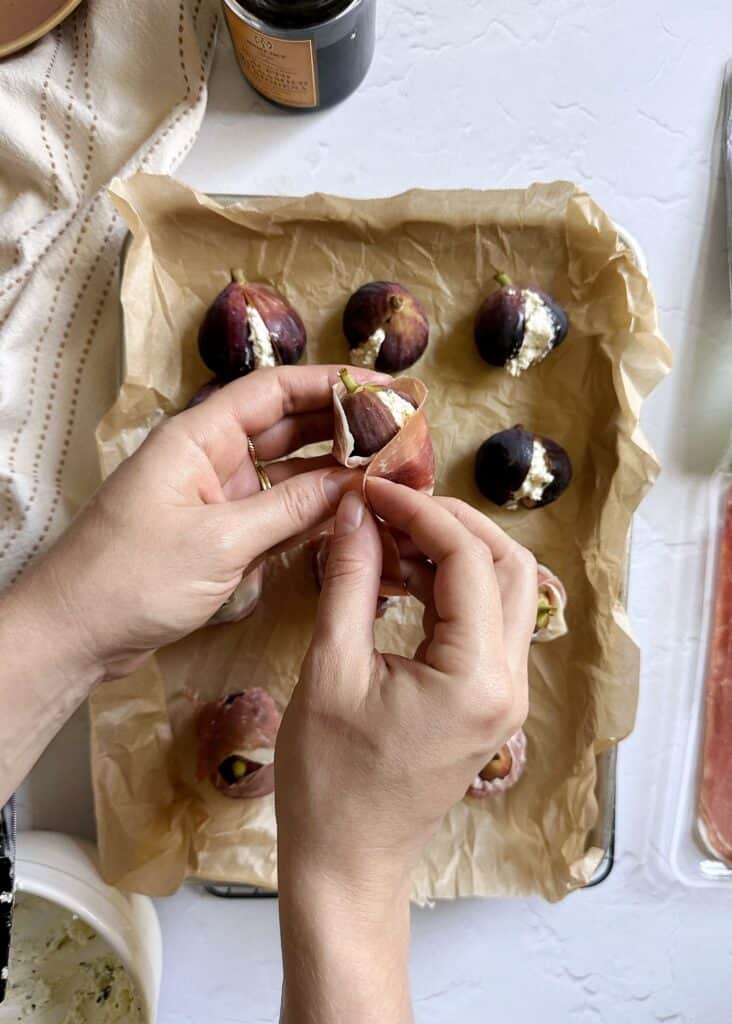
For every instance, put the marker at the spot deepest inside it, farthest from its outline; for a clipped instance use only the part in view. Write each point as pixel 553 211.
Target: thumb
pixel 248 527
pixel 347 606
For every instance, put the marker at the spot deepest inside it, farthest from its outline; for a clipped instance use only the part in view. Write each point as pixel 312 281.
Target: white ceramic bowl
pixel 64 870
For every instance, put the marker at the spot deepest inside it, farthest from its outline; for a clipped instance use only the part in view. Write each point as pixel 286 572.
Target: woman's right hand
pixel 374 748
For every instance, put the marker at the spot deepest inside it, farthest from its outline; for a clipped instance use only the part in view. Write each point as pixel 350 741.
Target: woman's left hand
pixel 168 537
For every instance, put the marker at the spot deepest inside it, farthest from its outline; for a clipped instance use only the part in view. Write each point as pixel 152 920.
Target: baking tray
pixel 602 836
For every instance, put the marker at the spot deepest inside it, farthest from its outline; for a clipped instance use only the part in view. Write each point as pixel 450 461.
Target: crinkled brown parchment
pixel 157 825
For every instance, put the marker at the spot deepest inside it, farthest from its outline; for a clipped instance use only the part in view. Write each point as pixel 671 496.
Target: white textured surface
pixel 622 97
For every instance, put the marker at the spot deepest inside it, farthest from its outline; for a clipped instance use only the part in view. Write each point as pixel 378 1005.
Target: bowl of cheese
pixel 81 950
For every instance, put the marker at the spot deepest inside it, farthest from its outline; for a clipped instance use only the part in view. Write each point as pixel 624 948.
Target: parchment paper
pixel 157 825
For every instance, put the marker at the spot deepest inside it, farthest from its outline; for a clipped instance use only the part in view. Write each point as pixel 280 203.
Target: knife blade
pixel 7 889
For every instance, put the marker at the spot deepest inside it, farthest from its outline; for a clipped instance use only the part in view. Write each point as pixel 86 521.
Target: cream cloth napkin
pixel 118 87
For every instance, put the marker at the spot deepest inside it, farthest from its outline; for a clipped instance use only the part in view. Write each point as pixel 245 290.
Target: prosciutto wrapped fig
pixel 552 600
pixel 503 770
pixel 236 737
pixel 384 430
pixel 243 601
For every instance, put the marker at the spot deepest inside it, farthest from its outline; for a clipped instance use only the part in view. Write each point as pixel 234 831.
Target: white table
pixel 621 96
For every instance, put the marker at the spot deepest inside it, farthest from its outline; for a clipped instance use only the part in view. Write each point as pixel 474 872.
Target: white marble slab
pixel 621 96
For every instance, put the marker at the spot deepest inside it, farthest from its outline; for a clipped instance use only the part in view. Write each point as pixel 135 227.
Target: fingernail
pixel 350 514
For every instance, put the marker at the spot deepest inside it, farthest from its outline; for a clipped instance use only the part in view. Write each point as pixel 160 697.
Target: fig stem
pixel 349 383
pixel 237 274
pixel 545 612
pixel 502 279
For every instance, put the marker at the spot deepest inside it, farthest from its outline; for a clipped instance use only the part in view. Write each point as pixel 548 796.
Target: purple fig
pixel 518 327
pixel 248 326
pixel 516 467
pixel 205 391
pixel 375 414
pixel 385 326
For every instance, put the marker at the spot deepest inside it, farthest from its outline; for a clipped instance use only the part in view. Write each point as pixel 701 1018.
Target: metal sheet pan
pixel 602 836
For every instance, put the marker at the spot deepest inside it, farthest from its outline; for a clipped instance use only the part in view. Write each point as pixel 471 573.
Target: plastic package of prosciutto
pixel 702 840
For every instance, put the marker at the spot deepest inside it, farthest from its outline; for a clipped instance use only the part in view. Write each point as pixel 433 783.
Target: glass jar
pixel 303 54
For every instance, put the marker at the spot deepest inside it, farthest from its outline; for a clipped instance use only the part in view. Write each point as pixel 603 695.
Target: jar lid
pixel 295 13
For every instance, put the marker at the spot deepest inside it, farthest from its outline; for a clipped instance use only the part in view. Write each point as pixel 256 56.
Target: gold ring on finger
pixel 265 484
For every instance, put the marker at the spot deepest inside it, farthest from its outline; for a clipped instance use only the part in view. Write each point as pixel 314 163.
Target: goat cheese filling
pixel 368 351
pixel 537 479
pixel 264 353
pixel 539 333
pixel 399 407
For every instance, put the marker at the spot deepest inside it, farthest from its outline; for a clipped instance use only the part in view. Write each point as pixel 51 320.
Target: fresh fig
pixel 205 391
pixel 248 326
pixel 518 327
pixel 517 467
pixel 551 603
pixel 236 737
pixel 385 326
pixel 503 770
pixel 375 413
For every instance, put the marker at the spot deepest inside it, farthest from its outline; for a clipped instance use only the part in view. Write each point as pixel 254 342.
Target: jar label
pixel 283 70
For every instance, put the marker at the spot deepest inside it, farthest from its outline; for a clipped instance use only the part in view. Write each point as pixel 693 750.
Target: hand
pixel 374 748
pixel 168 537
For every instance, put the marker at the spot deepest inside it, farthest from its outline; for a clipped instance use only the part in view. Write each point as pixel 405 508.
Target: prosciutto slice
pixel 715 795
pixel 481 787
pixel 237 734
pixel 407 459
